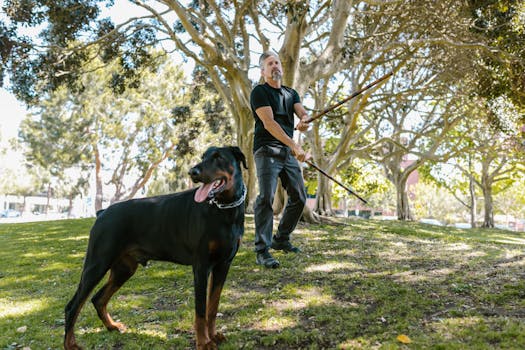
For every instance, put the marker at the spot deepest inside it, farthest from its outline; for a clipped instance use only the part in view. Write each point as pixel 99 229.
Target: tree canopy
pixel 442 52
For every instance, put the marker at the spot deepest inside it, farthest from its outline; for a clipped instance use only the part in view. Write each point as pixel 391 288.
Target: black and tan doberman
pixel 199 227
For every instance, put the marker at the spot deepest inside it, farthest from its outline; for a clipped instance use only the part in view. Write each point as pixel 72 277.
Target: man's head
pixel 271 66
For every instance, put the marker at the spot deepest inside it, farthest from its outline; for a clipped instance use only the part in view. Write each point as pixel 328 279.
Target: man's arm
pixel 302 114
pixel 266 115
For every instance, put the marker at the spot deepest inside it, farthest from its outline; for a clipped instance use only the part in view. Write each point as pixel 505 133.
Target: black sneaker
pixel 266 259
pixel 285 246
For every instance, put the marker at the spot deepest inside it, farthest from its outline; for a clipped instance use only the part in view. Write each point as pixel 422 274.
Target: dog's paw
pixel 218 338
pixel 117 326
pixel 211 345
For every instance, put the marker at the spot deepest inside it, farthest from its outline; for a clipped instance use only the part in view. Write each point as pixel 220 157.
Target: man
pixel 273 106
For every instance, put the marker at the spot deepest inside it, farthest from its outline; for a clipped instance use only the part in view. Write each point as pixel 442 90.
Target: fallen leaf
pixel 404 339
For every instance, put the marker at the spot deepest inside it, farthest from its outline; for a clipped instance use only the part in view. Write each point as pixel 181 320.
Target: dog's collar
pixel 233 204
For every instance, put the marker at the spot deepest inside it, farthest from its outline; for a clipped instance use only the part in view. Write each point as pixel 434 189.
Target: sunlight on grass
pixel 458 247
pixel 418 276
pixel 509 240
pixel 333 266
pixel 39 255
pixel 17 280
pixel 274 323
pixel 156 333
pixel 518 262
pixel 10 308
pixel 446 327
pixel 306 297
pixel 56 266
pixel 358 343
pixel 74 238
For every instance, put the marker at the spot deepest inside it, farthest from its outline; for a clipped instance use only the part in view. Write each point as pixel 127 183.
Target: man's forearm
pixel 277 131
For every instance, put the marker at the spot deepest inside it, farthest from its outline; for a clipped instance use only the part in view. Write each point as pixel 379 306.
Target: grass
pixel 360 285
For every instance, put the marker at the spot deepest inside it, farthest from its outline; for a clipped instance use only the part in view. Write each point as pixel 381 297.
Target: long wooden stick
pixel 358 92
pixel 334 180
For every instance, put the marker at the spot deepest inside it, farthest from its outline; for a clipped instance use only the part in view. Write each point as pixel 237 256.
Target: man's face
pixel 272 68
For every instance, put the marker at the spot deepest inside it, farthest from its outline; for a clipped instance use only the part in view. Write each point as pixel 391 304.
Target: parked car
pixel 9 213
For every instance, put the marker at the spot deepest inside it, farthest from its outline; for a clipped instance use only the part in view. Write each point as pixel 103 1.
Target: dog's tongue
pixel 202 193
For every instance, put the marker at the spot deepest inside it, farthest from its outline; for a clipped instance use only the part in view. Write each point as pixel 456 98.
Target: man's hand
pixel 302 126
pixel 299 153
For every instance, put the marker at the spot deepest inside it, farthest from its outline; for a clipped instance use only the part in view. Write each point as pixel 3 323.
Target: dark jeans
pixel 273 162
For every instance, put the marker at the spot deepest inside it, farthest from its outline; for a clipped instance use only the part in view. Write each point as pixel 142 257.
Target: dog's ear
pixel 237 153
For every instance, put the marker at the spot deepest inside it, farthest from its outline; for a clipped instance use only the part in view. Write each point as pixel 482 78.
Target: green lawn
pixel 355 286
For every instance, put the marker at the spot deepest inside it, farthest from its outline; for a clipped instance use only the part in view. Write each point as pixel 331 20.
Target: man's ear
pixel 237 153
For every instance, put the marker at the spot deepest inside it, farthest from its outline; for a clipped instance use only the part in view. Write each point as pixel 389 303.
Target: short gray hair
pixel 264 56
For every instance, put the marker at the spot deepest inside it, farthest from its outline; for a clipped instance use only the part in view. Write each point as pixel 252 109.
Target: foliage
pixel 128 134
pixel 430 201
pixel 511 201
pixel 501 22
pixel 437 49
pixel 215 128
pixel 360 285
pixel 487 158
pixel 50 61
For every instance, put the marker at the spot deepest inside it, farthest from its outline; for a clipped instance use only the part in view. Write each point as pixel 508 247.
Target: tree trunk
pixel 403 207
pixel 70 206
pixel 488 221
pixel 98 181
pixel 473 203
pixel 48 199
pixel 245 143
pixel 323 202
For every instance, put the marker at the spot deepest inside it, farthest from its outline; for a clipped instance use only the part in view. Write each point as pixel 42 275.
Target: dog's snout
pixel 195 171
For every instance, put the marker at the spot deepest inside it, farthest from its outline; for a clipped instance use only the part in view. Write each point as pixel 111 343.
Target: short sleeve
pixel 296 98
pixel 259 98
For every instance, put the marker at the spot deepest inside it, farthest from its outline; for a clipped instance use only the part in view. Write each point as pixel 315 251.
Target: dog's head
pixel 216 171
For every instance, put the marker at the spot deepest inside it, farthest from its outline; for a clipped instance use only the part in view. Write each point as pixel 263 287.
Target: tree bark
pixel 98 181
pixel 403 207
pixel 473 202
pixel 488 221
pixel 323 202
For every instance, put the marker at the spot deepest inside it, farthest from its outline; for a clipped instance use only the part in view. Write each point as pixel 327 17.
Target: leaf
pixel 404 339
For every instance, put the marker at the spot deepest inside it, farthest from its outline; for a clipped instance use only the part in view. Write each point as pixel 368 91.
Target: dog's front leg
pixel 217 279
pixel 200 283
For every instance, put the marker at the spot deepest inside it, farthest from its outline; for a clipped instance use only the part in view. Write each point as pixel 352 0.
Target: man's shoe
pixel 285 246
pixel 267 260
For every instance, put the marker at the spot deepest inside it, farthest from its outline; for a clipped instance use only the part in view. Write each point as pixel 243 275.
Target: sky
pixel 12 113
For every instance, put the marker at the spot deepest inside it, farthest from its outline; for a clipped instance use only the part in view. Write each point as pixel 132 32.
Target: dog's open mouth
pixel 209 190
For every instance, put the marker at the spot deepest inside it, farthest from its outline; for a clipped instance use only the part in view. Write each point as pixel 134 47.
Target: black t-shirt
pixel 282 101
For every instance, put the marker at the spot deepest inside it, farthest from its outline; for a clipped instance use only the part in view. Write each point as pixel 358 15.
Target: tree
pixel 487 162
pixel 501 23
pixel 318 39
pixel 126 135
pixel 215 128
pixel 432 202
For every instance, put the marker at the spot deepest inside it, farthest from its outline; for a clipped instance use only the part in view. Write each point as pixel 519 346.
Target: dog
pixel 200 227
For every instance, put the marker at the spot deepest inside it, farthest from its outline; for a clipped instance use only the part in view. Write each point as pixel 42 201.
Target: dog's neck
pixel 234 196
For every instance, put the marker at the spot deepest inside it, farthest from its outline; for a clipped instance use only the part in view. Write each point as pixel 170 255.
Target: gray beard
pixel 276 75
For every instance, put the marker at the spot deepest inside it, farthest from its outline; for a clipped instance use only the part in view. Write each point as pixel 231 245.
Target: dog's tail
pixel 100 212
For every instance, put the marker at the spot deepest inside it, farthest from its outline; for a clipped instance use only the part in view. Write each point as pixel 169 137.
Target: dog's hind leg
pixel 121 271
pixel 91 275
pixel 216 283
